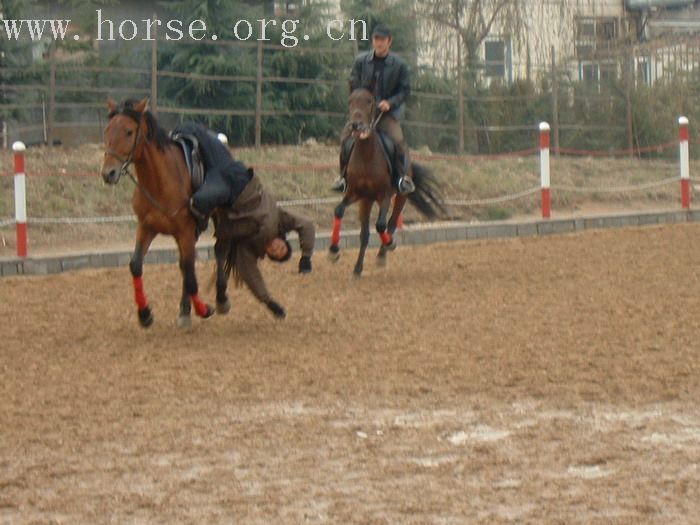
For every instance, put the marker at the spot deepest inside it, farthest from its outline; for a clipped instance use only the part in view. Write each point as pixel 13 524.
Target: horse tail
pixel 229 268
pixel 427 197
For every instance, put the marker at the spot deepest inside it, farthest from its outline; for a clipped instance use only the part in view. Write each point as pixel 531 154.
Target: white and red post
pixel 544 170
pixel 683 137
pixel 20 199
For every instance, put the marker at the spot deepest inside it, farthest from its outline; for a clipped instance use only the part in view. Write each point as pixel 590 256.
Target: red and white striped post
pixel 20 199
pixel 544 170
pixel 685 165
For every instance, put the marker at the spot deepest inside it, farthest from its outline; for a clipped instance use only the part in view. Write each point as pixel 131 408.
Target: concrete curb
pixel 419 234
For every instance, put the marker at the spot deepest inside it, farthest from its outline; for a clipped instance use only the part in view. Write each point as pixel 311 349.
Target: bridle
pixel 124 169
pixel 129 160
pixel 376 120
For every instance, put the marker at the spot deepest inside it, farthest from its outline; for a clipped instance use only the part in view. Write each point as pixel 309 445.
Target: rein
pixel 376 121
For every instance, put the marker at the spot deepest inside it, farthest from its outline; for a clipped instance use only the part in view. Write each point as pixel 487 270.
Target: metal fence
pixel 61 100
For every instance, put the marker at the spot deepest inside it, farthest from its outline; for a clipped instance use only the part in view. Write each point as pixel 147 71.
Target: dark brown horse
pixel 160 198
pixel 369 180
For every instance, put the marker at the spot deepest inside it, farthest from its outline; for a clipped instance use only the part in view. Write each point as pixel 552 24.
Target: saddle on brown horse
pixel 193 158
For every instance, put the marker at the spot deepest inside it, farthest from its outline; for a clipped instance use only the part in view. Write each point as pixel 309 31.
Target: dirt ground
pixel 537 380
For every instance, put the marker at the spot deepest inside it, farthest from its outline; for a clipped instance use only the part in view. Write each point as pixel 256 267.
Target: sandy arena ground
pixel 541 380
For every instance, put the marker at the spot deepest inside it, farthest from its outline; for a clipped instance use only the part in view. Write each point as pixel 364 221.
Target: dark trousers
pixel 219 189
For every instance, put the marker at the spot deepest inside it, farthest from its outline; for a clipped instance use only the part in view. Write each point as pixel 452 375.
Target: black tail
pixel 427 197
pixel 229 265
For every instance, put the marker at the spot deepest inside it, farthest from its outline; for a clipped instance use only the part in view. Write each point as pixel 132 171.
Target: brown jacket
pixel 252 222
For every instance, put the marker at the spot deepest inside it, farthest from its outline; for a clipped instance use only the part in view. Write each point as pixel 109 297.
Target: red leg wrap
pixel 139 295
pixel 199 306
pixel 386 238
pixel 335 237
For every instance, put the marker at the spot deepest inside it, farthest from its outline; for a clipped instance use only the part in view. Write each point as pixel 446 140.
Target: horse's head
pixel 361 105
pixel 125 135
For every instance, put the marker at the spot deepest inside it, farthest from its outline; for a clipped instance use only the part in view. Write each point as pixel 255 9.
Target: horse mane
pixel 155 132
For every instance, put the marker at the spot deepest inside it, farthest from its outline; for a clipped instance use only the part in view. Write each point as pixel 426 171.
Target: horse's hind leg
pixel 222 250
pixel 190 292
pixel 143 241
pixel 365 207
pixel 334 248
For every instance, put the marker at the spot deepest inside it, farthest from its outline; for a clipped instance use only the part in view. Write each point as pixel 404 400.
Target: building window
pixel 598 73
pixel 595 35
pixel 288 8
pixel 644 70
pixel 497 58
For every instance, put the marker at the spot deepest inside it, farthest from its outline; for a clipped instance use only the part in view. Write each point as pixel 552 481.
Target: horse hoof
pixel 357 272
pixel 210 312
pixel 223 308
pixel 391 247
pixel 381 260
pixel 184 322
pixel 333 253
pixel 146 317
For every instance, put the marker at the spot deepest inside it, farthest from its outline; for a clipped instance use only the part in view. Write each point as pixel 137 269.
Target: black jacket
pixel 396 83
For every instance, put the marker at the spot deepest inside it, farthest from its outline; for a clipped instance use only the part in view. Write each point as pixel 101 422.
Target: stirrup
pixel 406 186
pixel 340 185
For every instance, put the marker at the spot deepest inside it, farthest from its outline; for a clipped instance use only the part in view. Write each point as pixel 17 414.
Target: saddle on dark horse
pixel 388 148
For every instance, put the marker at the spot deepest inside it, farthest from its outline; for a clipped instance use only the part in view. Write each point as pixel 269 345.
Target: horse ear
pixel 111 105
pixel 142 105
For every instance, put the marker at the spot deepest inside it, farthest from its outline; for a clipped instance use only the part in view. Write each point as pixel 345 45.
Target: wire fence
pixel 320 200
pixel 62 101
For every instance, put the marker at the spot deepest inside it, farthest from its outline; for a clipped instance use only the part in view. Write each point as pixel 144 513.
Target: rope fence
pixel 493 200
pixel 21 220
pixel 616 189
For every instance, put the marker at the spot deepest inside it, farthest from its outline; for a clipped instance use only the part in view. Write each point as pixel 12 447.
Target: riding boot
pixel 405 183
pixel 340 185
pixel 200 218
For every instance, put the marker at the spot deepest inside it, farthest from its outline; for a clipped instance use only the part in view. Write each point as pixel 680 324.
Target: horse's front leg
pixel 399 204
pixel 190 289
pixel 222 250
pixel 365 207
pixel 144 238
pixel 334 248
pixel 388 242
pixel 381 221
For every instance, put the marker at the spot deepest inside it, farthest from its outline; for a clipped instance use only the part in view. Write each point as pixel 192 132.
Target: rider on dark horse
pixel 386 74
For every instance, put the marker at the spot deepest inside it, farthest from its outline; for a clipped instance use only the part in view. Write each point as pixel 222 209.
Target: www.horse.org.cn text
pixel 176 30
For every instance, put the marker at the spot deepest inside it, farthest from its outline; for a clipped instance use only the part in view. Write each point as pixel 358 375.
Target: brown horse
pixel 160 198
pixel 369 180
